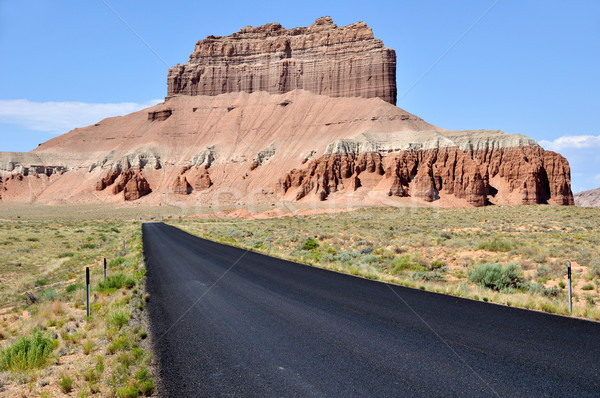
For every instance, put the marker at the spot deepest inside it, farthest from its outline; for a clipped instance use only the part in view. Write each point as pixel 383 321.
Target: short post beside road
pixel 105 268
pixel 87 289
pixel 570 288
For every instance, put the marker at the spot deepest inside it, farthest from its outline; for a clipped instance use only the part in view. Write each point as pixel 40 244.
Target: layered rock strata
pixel 323 58
pixel 511 175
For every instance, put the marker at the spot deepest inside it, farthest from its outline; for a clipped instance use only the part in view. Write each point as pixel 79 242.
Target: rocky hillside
pixel 254 146
pixel 589 198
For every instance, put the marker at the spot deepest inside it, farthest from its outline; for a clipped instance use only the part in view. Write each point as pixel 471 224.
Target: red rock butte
pixel 270 116
pixel 323 58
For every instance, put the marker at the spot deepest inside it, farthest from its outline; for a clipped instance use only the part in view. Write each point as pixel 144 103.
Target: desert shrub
pixel 345 257
pixel 128 392
pixel 144 382
pixel 495 245
pixel 550 292
pixel 543 272
pixel 41 282
pixel 118 318
pixel 74 286
pixel 405 263
pixel 436 264
pixel 328 258
pixel 445 235
pixel 370 258
pixel 49 295
pixel 496 277
pixel 589 299
pixel 434 276
pixel 88 246
pixel 27 353
pixel 66 384
pixel 66 254
pixel 146 387
pixel 121 343
pixel 115 262
pixel 309 244
pixel 116 281
pixel 594 270
pixel 589 286
pixel 400 250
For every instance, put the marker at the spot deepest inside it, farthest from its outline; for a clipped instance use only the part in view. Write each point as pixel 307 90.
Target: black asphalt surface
pixel 226 322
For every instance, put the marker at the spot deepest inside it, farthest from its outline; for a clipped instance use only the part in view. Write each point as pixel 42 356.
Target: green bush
pixel 496 277
pixel 118 319
pixel 116 281
pixel 75 286
pixel 496 245
pixel 27 353
pixel 49 295
pixel 309 244
pixel 128 392
pixel 551 292
pixel 144 382
pixel 405 263
pixel 146 387
pixel 121 343
pixel 587 287
pixel 66 384
pixel 117 261
pixel 66 254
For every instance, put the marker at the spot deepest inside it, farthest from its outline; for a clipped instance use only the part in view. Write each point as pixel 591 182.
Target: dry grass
pixel 42 276
pixel 435 249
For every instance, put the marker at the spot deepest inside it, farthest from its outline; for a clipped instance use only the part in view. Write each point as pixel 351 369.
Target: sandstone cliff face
pixel 191 179
pixel 131 182
pixel 514 175
pixel 322 58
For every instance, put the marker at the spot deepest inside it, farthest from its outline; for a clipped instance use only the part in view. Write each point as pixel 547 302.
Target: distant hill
pixel 589 198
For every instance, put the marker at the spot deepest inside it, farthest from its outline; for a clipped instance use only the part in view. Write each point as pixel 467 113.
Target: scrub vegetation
pixel 511 255
pixel 48 347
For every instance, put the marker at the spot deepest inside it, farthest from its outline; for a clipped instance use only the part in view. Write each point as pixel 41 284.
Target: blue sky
pixel 528 67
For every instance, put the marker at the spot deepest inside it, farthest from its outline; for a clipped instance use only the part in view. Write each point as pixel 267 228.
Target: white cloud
pixel 60 117
pixel 572 141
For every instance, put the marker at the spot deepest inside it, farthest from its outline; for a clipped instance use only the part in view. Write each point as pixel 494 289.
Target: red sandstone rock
pixel 520 175
pixel 323 58
pixel 131 182
pixel 107 180
pixel 181 186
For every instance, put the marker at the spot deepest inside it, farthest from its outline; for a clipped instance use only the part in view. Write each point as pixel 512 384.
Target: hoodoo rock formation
pixel 271 115
pixel 322 58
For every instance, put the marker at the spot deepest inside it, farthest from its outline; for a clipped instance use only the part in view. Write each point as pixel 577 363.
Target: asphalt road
pixel 226 322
